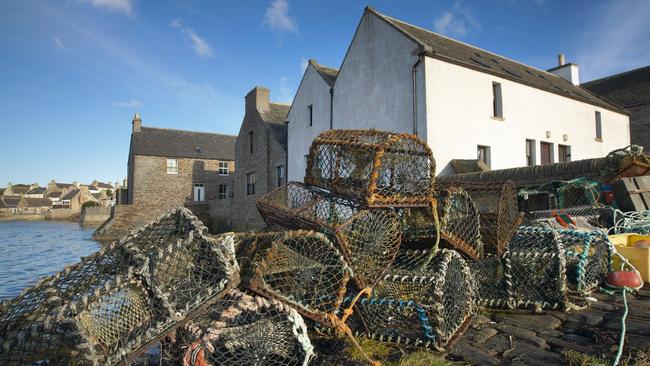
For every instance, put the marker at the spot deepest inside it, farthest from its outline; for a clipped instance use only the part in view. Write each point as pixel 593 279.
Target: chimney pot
pixel 560 59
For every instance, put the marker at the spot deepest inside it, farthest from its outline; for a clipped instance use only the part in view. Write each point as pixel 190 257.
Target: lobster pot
pixel 377 167
pixel 245 330
pixel 460 221
pixel 442 285
pixel 492 289
pixel 497 205
pixel 588 258
pixel 420 226
pixel 581 193
pixel 109 306
pixel 368 239
pixel 300 268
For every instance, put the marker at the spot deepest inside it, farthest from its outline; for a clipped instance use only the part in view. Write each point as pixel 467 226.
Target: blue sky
pixel 74 72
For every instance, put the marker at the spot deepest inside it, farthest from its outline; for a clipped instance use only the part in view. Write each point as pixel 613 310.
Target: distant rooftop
pixel 627 89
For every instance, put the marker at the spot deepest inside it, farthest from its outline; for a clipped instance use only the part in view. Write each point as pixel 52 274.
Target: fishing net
pixel 631 222
pixel 300 268
pixel 368 239
pixel 499 213
pixel 459 221
pixel 380 168
pixel 246 330
pixel 530 275
pixel 577 194
pixel 114 303
pixel 442 285
pixel 588 258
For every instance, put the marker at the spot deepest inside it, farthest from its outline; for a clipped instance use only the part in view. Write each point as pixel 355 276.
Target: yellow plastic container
pixel 639 257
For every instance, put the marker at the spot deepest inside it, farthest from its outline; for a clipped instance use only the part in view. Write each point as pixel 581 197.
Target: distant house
pixel 630 90
pixel 260 156
pixel 36 192
pixel 54 196
pixel 16 190
pixel 463 101
pixel 10 205
pixel 104 187
pixel 73 200
pixel 33 206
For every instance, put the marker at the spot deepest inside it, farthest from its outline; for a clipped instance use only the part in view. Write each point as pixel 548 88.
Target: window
pixel 497 102
pixel 530 153
pixel 250 183
pixel 224 168
pixel 199 192
pixel 483 154
pixel 310 109
pixel 546 153
pixel 599 127
pixel 250 138
pixel 280 174
pixel 223 191
pixel 172 166
pixel 564 153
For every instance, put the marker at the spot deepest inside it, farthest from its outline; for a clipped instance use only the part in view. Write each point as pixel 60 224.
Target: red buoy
pixel 622 279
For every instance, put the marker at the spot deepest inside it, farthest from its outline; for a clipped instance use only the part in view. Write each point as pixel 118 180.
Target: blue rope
pixel 621 341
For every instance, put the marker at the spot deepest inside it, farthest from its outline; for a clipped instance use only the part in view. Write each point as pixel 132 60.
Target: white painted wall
pixel 459 109
pixel 374 87
pixel 313 91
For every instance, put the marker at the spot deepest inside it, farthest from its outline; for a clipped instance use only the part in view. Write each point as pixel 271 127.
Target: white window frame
pixel 487 152
pixel 221 168
pixel 172 166
pixel 224 194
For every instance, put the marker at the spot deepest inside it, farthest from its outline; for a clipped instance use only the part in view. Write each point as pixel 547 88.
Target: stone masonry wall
pixel 640 126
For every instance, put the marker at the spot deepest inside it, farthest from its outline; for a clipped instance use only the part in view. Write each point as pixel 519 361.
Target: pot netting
pixel 301 268
pixel 588 258
pixel 368 239
pixel 380 168
pixel 420 226
pixel 530 275
pixel 107 307
pixel 246 330
pixel 580 195
pixel 460 221
pixel 442 285
pixel 499 214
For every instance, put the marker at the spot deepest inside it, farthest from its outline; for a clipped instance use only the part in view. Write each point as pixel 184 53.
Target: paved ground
pixel 583 337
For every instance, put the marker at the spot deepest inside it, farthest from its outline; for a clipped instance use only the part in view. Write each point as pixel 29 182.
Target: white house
pixel 465 102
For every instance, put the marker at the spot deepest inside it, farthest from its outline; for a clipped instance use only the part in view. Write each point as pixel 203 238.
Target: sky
pixel 73 72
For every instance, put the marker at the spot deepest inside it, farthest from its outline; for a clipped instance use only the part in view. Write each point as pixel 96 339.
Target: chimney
pixel 565 70
pixel 137 122
pixel 257 99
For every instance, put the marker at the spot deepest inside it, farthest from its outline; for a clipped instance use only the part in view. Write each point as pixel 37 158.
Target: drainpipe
pixel 286 153
pixel 331 108
pixel 424 49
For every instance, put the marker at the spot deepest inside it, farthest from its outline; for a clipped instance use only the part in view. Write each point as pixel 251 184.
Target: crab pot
pixel 588 259
pixel 420 226
pixel 367 238
pixel 499 213
pixel 112 304
pixel 441 287
pixel 530 275
pixel 377 167
pixel 244 330
pixel 300 268
pixel 460 221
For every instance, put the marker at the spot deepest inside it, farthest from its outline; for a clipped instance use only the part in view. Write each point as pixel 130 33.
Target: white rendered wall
pixel 315 91
pixel 459 110
pixel 374 88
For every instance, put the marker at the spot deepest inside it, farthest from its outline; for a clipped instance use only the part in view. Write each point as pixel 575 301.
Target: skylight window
pixel 479 62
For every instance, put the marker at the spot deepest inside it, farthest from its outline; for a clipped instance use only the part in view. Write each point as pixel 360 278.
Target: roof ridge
pixel 617 75
pixel 280 103
pixel 178 130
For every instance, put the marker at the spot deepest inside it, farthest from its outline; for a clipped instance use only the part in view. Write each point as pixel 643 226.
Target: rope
pixel 621 341
pixel 631 222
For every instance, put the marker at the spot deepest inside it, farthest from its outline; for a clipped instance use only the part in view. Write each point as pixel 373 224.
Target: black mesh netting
pixel 460 221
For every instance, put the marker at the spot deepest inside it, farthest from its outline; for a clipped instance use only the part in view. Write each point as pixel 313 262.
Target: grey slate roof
pixel 70 195
pixel 182 144
pixel 37 190
pixel 20 188
pixel 54 194
pixel 63 185
pixel 3 204
pixel 276 114
pixel 104 185
pixel 11 202
pixel 450 50
pixel 627 89
pixel 328 74
pixel 38 202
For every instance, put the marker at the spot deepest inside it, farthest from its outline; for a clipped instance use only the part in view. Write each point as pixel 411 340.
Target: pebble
pixel 592 319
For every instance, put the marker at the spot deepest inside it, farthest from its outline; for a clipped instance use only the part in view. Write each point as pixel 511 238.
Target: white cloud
pixel 118 6
pixel 303 65
pixel 457 22
pixel 58 43
pixel 608 45
pixel 200 45
pixel 277 17
pixel 133 103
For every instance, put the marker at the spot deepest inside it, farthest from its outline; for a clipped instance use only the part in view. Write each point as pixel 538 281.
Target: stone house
pixel 73 200
pixel 9 205
pixel 630 90
pixel 465 102
pixel 17 190
pixel 260 156
pixel 36 192
pixel 33 206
